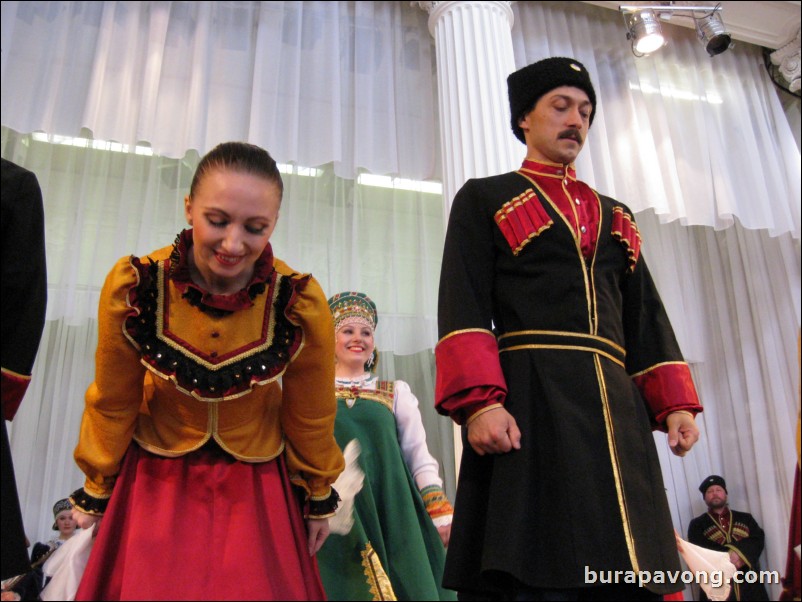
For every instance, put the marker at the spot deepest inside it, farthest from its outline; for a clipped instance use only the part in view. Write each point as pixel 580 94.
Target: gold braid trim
pixel 376 577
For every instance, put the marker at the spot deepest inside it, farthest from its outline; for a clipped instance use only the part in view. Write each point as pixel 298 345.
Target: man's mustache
pixel 571 133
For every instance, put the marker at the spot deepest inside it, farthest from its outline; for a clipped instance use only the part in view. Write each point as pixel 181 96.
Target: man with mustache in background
pixel 557 357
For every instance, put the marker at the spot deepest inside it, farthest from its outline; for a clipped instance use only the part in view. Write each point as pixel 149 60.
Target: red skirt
pixel 201 527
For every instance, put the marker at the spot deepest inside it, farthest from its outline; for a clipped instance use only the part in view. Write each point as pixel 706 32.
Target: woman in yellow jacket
pixel 203 465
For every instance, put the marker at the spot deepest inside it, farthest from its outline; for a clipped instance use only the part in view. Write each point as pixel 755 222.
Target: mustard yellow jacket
pixel 171 376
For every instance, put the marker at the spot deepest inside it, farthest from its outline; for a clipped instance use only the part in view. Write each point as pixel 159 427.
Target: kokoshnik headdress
pixel 355 308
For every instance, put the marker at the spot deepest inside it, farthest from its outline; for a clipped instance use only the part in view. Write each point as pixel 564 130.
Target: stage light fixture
pixel 713 34
pixel 645 33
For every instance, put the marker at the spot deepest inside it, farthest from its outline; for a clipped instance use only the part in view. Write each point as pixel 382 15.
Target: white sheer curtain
pixel 335 90
pixel 701 149
pixel 348 83
pixel 697 139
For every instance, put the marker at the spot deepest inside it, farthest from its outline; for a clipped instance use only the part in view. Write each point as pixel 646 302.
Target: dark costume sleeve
pixel 24 281
pixel 469 376
pixel 697 537
pixel 24 296
pixel 654 359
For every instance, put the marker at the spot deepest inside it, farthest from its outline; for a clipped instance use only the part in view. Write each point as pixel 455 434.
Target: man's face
pixel 715 497
pixel 556 128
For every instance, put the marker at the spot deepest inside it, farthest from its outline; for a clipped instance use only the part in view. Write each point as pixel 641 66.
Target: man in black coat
pixel 24 296
pixel 726 530
pixel 556 355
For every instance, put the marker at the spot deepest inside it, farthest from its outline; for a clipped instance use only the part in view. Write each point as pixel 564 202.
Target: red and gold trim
pixel 14 387
pixel 277 340
pixel 626 232
pixel 522 219
pixel 383 394
pixel 667 388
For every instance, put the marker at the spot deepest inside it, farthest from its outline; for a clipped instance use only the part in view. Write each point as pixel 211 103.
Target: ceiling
pixel 765 23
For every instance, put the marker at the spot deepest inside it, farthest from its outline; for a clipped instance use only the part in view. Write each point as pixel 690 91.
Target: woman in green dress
pixel 390 542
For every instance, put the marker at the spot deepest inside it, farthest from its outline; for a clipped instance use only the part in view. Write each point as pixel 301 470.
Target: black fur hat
pixel 527 85
pixel 713 479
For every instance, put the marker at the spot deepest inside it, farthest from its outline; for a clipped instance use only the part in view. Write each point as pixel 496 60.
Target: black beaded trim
pixel 88 504
pixel 323 508
pixel 230 380
pixel 195 298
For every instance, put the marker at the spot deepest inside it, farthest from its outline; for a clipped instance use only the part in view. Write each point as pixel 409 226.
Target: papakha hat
pixel 713 479
pixel 527 85
pixel 60 506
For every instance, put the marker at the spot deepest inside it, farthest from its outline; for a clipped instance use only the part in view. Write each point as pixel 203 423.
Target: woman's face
pixel 233 215
pixel 66 525
pixel 353 345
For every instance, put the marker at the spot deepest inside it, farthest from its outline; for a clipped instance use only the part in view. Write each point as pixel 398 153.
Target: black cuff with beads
pixel 88 504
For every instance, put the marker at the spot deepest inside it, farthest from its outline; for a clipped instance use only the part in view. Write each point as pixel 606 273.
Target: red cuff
pixel 13 389
pixel 469 375
pixel 667 388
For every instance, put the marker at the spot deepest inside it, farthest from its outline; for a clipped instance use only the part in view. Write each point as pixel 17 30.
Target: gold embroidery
pixel 384 396
pixel 376 577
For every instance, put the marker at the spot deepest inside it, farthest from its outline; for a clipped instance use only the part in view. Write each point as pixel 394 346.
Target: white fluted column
pixel 473 44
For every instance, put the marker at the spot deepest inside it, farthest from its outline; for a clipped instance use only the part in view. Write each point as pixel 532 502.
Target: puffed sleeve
pixel 412 437
pixel 422 465
pixel 114 398
pixel 308 403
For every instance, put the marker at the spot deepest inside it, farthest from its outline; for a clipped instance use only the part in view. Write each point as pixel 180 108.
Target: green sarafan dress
pixel 393 550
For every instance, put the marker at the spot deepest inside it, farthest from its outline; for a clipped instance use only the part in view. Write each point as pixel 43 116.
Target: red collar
pixel 553 170
pixel 243 299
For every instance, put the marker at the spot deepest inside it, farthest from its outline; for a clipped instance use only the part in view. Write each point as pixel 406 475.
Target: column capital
pixel 438 8
pixel 788 61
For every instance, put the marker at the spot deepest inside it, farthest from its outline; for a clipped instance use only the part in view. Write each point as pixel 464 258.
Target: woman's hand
pixel 318 529
pixel 445 533
pixel 86 521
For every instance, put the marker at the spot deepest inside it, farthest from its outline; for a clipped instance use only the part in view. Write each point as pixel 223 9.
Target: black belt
pixel 556 339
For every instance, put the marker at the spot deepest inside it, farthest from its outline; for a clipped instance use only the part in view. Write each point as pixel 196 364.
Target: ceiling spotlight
pixel 713 34
pixel 644 31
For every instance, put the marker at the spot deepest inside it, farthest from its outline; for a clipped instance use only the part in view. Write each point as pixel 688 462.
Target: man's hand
pixel 736 560
pixel 494 432
pixel 318 529
pixel 682 432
